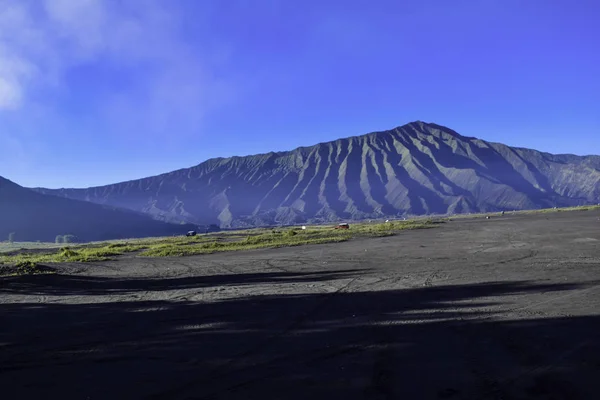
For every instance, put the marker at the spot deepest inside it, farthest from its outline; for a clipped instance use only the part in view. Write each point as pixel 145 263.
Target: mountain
pixel 34 216
pixel 419 168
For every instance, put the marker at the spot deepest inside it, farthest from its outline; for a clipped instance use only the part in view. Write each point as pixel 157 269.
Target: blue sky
pixel 100 91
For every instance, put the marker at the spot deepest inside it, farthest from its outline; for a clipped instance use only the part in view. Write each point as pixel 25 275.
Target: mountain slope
pixel 35 216
pixel 418 168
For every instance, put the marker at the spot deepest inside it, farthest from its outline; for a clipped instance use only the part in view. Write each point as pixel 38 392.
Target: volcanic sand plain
pixel 500 308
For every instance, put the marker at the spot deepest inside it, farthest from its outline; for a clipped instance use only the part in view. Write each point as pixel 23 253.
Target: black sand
pixel 507 308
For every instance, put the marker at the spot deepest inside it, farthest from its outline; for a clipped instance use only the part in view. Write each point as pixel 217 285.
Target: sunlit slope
pixel 418 168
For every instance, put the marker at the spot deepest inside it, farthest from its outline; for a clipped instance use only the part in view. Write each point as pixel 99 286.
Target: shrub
pixel 26 267
pixel 59 239
pixel 67 252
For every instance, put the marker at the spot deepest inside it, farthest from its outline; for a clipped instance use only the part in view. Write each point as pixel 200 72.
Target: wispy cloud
pixel 41 41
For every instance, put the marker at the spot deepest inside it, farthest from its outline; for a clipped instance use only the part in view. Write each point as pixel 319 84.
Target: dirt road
pixel 506 308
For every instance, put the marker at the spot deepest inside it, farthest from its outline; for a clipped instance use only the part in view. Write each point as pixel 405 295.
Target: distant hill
pixel 34 216
pixel 418 168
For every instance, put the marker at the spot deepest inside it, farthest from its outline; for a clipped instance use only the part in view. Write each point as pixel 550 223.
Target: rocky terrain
pixel 415 169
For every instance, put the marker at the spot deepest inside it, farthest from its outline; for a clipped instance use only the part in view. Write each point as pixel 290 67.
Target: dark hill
pixel 34 216
pixel 418 168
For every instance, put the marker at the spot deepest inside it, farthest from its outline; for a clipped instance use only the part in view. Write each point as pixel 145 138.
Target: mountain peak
pixel 418 168
pixel 428 126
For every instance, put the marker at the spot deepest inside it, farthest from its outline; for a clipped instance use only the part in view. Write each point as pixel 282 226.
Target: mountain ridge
pixel 270 153
pixel 417 168
pixel 35 216
pixel 283 152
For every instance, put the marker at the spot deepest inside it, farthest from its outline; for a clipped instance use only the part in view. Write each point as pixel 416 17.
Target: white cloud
pixel 51 49
pixel 41 41
pixel 11 95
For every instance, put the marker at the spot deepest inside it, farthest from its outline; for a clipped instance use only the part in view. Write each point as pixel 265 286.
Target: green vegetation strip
pixel 527 212
pixel 211 243
pixel 32 261
pixel 564 209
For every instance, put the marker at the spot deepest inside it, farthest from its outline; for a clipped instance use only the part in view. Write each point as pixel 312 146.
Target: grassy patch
pixel 25 268
pixel 70 254
pixel 251 242
pixel 284 238
pixel 31 268
pixel 212 243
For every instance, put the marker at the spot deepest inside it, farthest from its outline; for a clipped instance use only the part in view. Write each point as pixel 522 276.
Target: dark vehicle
pixel 191 233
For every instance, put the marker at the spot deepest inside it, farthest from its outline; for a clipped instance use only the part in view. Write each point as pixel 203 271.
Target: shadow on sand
pixel 443 342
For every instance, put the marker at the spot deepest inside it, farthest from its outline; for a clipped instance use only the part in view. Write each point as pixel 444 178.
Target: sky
pixel 94 92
